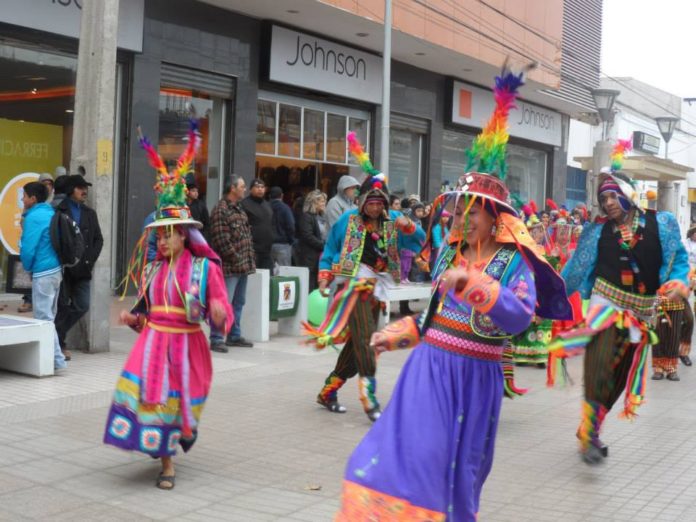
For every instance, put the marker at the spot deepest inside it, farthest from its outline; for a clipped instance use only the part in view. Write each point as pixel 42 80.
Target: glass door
pixel 405 160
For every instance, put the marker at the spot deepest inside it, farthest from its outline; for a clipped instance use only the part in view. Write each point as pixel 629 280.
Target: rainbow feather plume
pixel 619 153
pixel 487 153
pixel 183 164
pixel 153 157
pixel 363 159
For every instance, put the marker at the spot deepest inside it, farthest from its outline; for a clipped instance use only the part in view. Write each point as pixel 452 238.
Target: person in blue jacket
pixel 40 259
pixel 362 254
pixel 624 264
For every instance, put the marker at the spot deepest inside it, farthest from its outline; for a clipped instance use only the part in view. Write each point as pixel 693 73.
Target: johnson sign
pixel 307 61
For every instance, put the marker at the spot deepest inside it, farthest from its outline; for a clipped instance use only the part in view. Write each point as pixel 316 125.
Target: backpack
pixel 67 240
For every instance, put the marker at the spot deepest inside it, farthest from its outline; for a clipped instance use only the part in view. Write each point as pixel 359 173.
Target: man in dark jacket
pixel 283 229
pixel 74 295
pixel 260 215
pixel 199 211
pixel 230 237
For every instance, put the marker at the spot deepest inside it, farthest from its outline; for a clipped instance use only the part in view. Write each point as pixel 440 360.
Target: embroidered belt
pixel 668 305
pixel 641 305
pixel 168 309
pixel 456 337
pixel 173 329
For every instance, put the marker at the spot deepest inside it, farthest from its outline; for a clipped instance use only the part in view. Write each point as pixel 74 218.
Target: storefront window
pixel 265 127
pixel 313 134
pixel 526 175
pixel 336 138
pixel 177 106
pixel 289 126
pixel 37 98
pixel 404 162
pixel 310 151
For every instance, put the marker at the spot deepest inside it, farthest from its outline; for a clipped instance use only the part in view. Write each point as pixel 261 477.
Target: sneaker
pixel 374 414
pixel 219 347
pixel 241 343
pixel 25 308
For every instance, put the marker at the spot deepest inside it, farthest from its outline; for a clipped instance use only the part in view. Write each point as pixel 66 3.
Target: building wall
pixel 472 28
pixel 199 36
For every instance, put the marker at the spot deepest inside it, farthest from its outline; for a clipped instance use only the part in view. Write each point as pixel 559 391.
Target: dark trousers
pixel 264 260
pixel 357 357
pixel 608 359
pixel 73 303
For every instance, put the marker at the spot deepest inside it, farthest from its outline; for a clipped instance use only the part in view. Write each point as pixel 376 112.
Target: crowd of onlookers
pixel 59 293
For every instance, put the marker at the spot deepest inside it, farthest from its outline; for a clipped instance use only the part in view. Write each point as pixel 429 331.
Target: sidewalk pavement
pixel 267 452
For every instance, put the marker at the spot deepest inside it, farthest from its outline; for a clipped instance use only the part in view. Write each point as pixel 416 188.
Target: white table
pixel 26 345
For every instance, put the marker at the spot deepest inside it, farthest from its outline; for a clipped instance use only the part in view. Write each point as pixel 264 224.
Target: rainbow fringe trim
pixel 573 342
pixel 334 329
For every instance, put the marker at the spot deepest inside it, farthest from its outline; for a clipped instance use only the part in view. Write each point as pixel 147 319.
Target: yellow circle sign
pixel 11 209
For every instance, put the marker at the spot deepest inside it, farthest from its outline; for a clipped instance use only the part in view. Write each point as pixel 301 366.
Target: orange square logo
pixel 465 103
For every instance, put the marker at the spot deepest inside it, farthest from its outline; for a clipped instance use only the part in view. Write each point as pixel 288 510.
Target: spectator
pixel 343 200
pixel 283 229
pixel 199 211
pixel 74 296
pixel 60 185
pixel 231 238
pixel 297 206
pixel 313 229
pixel 394 202
pixel 40 259
pixel 47 180
pixel 260 215
pixel 151 236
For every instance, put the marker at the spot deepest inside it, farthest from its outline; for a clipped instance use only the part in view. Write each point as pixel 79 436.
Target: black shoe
pixel 374 414
pixel 241 343
pixel 219 347
pixel 603 448
pixel 658 376
pixel 592 455
pixel 685 360
pixel 332 406
pixel 673 376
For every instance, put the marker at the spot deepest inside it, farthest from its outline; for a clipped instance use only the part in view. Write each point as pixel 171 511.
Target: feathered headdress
pixel 170 187
pixel 375 181
pixel 619 153
pixel 487 152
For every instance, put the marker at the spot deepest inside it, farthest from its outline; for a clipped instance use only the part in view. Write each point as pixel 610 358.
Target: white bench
pixel 404 292
pixel 26 345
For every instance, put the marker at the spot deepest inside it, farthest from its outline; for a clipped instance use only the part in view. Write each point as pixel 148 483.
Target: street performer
pixel 622 263
pixel 362 254
pixel 431 451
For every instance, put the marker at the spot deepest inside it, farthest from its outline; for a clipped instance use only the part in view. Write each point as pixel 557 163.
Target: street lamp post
pixel 604 102
pixel 665 189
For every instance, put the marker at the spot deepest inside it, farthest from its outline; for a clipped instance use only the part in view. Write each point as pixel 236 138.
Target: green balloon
pixel 317 305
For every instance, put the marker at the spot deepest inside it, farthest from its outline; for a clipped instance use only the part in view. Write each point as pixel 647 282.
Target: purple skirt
pixel 429 454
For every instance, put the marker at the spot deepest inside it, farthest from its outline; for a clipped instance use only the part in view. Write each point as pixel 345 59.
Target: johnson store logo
pixel 309 52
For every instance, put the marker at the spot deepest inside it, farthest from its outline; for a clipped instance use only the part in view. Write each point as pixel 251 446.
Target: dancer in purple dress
pixel 429 454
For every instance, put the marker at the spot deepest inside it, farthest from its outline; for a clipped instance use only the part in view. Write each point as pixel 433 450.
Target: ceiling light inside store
pixel 69 110
pixel 36 78
pixel 362 35
pixel 34 91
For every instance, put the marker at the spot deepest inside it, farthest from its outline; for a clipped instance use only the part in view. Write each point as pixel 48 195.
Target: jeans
pixel 236 292
pixel 72 305
pixel 281 253
pixel 44 294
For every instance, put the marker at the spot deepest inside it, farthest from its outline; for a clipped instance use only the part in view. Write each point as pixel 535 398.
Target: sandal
pixel 332 406
pixel 162 481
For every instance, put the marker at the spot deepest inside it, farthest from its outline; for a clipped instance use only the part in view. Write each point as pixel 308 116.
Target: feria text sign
pixel 307 61
pixel 473 106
